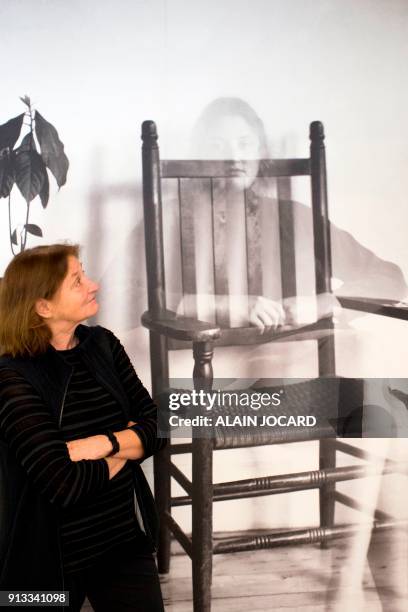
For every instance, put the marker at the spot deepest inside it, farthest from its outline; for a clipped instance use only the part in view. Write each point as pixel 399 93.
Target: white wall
pixel 96 69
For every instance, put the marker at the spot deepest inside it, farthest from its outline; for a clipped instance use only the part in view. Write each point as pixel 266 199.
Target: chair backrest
pixel 184 183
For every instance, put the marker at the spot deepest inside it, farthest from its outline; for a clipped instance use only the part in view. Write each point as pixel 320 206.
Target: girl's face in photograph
pixel 230 137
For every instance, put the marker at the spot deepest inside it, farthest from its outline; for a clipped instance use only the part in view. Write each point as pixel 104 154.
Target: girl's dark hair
pixel 33 274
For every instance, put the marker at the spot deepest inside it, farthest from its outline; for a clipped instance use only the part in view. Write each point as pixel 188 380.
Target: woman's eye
pixel 245 145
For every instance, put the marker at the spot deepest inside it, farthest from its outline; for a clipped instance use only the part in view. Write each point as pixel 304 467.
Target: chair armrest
pixel 179 327
pixel 378 306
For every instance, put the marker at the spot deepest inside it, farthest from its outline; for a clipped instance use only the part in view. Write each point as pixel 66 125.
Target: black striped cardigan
pixel 35 469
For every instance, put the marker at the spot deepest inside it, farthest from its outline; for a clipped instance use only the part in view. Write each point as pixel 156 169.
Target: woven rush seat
pixel 240 437
pixel 334 402
pixel 321 398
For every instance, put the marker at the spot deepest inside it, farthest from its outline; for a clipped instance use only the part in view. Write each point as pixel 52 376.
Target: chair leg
pixel 202 524
pixel 327 459
pixel 162 490
pixel 202 489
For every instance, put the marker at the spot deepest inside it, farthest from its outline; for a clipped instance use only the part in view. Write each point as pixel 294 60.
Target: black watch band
pixel 115 443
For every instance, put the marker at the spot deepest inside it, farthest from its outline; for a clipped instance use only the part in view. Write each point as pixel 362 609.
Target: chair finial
pixel 316 131
pixel 149 132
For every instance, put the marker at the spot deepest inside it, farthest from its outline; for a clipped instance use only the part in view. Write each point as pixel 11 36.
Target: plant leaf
pixel 45 190
pixel 14 237
pixel 10 132
pixel 33 229
pixel 7 175
pixel 30 169
pixel 52 149
pixel 26 100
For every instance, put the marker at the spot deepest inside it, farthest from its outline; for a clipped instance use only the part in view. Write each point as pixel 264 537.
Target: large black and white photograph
pixel 204 305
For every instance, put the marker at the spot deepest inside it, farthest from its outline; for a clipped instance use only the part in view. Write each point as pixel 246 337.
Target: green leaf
pixel 45 190
pixel 14 237
pixel 7 175
pixel 10 132
pixel 33 229
pixel 52 149
pixel 30 169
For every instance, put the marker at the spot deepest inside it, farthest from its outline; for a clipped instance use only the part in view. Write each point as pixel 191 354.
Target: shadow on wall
pixel 116 255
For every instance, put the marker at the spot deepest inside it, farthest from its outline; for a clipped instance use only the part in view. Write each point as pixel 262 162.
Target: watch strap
pixel 115 443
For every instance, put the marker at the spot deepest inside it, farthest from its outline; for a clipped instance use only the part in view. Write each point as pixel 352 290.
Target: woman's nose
pixel 235 152
pixel 93 285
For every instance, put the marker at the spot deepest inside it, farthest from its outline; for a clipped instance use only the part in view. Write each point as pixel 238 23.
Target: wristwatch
pixel 115 443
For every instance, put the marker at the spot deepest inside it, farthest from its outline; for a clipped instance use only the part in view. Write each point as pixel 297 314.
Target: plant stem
pixel 24 240
pixel 31 120
pixel 9 215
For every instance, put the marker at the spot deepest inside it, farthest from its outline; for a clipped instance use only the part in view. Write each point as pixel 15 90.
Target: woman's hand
pixel 92 447
pixel 296 311
pixel 266 314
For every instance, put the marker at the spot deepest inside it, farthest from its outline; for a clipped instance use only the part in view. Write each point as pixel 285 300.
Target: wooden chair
pixel 167 329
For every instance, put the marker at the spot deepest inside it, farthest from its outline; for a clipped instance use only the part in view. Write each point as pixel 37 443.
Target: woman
pixel 228 128
pixel 75 424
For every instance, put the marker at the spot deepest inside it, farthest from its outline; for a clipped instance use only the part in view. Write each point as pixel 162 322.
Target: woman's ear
pixel 42 308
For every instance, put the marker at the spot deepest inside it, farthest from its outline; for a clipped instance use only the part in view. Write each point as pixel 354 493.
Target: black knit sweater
pixel 96 513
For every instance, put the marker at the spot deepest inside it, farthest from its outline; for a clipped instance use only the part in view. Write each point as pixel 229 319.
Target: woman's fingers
pixel 300 310
pixel 260 319
pixel 269 320
pixel 273 309
pixel 266 314
pixel 255 319
pixel 92 447
pixel 73 451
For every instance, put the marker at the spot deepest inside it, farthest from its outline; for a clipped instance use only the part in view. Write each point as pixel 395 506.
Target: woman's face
pixel 75 299
pixel 230 137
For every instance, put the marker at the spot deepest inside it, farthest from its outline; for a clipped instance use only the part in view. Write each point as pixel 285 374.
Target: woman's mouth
pixel 236 172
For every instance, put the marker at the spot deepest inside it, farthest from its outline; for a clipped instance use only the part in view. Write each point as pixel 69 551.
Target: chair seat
pixel 309 410
pixel 240 437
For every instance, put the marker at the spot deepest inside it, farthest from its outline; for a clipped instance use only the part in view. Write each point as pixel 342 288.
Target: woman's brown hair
pixel 33 274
